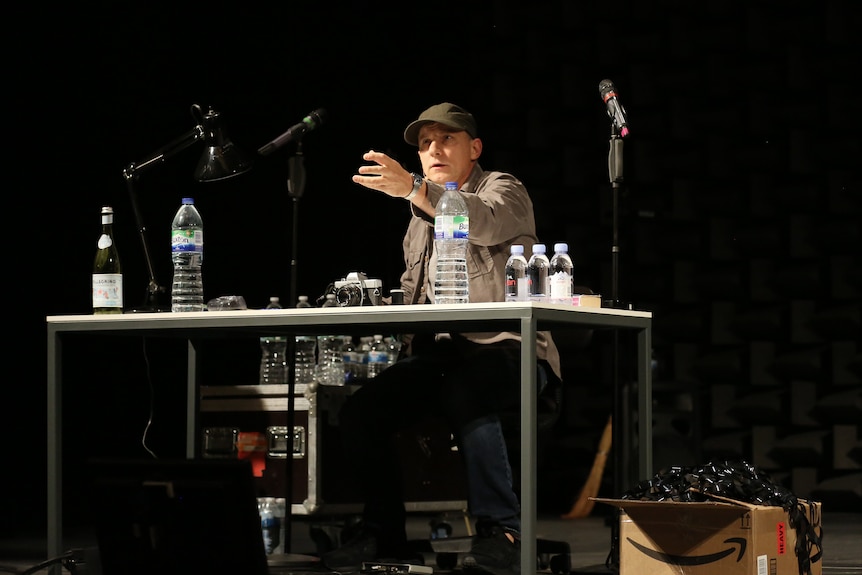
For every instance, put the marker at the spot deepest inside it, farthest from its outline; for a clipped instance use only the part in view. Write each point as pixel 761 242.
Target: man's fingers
pixel 370 170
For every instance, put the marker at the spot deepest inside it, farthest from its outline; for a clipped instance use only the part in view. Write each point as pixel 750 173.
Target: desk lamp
pixel 220 160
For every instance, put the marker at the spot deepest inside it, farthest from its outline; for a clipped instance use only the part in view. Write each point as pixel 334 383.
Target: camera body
pixel 357 290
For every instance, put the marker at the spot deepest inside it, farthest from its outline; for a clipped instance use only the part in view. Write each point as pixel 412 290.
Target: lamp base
pixel 153 300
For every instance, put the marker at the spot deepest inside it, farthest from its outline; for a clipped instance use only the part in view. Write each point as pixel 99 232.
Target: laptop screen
pixel 158 517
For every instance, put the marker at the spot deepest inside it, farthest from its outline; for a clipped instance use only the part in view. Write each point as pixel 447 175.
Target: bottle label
pixel 561 287
pixel 107 290
pixel 105 241
pixel 451 227
pixel 187 240
pixel 517 288
pixel 378 356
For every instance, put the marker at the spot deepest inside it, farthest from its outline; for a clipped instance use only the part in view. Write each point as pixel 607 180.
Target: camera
pixel 357 290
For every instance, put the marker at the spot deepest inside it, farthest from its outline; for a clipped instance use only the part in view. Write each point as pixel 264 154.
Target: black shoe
pixel 362 546
pixel 495 550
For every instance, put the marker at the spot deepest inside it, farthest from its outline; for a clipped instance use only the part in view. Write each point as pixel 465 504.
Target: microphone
pixel 296 132
pixel 616 111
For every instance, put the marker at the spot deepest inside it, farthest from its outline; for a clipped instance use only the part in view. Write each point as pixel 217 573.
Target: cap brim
pixel 411 133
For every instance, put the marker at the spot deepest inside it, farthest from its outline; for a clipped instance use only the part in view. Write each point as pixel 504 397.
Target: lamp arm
pixel 130 174
pixel 167 151
pixel 153 288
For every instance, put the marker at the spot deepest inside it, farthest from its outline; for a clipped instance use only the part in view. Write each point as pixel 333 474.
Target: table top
pixel 469 317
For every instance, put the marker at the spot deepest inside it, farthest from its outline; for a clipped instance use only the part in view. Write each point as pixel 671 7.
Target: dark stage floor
pixel 589 539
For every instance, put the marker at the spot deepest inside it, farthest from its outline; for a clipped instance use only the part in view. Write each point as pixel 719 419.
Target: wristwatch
pixel 417 183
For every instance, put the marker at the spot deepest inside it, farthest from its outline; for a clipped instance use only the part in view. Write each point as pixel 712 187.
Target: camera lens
pixel 349 295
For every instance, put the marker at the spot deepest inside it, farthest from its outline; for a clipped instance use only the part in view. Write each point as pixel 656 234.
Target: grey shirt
pixel 501 214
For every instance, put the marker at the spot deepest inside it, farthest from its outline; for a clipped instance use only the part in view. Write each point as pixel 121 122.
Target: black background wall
pixel 739 215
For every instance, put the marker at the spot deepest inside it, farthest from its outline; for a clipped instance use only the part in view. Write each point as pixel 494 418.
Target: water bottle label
pixel 187 240
pixel 270 528
pixel 517 289
pixel 375 356
pixel 561 287
pixel 451 227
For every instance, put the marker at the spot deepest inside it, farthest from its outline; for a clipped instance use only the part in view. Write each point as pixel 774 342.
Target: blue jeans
pixel 490 493
pixel 463 383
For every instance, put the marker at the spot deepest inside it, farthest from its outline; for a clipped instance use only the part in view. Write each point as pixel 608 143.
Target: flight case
pixel 251 421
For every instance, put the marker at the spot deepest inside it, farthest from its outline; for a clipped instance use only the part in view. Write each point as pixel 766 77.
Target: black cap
pixel 447 114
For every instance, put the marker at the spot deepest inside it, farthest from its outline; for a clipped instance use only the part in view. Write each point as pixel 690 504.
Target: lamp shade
pixel 221 158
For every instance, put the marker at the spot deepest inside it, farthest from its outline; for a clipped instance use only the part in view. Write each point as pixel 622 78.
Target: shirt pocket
pixel 414 261
pixel 480 262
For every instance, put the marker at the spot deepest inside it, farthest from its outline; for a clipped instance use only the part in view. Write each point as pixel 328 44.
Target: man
pixel 466 378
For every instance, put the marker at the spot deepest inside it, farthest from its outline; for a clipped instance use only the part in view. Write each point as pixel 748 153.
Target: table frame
pixel 526 318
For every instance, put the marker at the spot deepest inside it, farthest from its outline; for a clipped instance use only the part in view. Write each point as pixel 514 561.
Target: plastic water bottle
pixel 517 287
pixel 330 361
pixel 360 356
pixel 107 273
pixel 393 345
pixel 330 301
pixel 378 356
pixel 306 346
pixel 561 275
pixel 348 356
pixel 273 354
pixel 302 301
pixel 274 303
pixel 273 360
pixel 451 233
pixel 187 252
pixel 270 524
pixel 281 515
pixel 537 274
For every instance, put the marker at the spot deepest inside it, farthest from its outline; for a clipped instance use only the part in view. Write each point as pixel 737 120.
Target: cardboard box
pixel 725 537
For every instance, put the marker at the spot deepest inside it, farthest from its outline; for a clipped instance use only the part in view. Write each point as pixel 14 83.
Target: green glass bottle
pixel 107 273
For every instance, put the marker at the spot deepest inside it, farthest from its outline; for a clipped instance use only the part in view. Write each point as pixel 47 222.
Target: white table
pixel 526 318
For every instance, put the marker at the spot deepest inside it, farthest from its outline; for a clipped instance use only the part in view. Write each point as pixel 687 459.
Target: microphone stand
pixel 621 425
pixel 295 189
pixel 615 171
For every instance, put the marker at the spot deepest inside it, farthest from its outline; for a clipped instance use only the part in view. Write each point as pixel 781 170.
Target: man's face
pixel 447 156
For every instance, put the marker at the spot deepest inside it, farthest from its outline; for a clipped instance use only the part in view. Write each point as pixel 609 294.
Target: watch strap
pixel 417 183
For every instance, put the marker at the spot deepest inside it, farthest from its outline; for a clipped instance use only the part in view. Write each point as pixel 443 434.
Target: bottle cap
pixel 561 247
pixel 516 249
pixel 188 200
pixel 538 248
